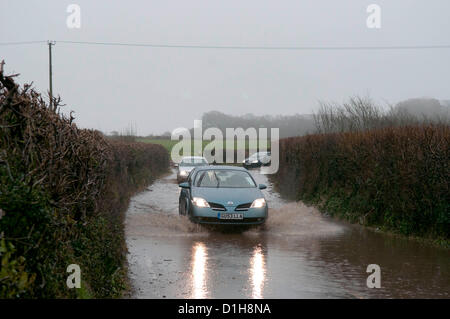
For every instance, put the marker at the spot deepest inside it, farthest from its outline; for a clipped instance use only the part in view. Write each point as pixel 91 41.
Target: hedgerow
pixel 63 193
pixel 393 177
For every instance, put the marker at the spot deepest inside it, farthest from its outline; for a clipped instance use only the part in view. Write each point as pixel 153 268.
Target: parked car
pixel 257 160
pixel 187 164
pixel 222 195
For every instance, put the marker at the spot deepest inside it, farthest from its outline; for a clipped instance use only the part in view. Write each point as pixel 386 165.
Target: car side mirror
pixel 184 185
pixel 262 186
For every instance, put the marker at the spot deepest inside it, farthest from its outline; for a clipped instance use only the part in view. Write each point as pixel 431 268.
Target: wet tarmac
pixel 298 253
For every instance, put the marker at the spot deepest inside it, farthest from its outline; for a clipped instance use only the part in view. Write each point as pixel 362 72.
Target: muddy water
pixel 298 253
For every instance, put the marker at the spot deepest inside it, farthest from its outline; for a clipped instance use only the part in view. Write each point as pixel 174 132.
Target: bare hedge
pixel 394 177
pixel 63 191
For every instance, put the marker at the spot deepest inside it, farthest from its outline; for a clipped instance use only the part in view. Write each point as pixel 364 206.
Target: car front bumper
pixel 207 215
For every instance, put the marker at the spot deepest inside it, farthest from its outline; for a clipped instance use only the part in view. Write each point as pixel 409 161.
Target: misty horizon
pixel 159 89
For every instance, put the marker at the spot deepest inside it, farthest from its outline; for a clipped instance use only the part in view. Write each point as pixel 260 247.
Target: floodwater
pixel 298 253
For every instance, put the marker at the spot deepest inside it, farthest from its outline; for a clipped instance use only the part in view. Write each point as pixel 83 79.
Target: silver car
pixel 257 160
pixel 187 164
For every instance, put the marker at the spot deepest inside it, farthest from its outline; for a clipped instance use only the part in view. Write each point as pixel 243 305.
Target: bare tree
pixel 361 113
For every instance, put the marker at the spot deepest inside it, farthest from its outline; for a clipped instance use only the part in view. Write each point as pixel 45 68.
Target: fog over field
pixel 159 89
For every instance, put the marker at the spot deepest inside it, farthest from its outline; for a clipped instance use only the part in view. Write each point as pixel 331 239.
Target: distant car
pixel 222 195
pixel 187 164
pixel 257 160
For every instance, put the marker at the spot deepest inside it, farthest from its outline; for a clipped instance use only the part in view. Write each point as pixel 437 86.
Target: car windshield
pixel 224 179
pixel 193 162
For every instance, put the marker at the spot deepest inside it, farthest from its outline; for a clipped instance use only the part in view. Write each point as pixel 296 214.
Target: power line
pixel 261 47
pixel 294 48
pixel 21 43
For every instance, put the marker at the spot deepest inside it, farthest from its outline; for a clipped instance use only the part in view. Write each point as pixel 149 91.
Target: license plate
pixel 230 216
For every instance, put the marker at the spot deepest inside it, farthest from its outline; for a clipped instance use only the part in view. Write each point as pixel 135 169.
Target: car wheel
pixel 183 207
pixel 186 208
pixel 180 208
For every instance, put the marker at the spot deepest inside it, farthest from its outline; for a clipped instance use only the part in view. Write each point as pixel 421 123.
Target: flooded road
pixel 298 253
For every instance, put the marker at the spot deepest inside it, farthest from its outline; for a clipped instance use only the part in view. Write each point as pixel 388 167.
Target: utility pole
pixel 50 43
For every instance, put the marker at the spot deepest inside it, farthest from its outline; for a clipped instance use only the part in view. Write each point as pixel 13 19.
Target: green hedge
pixel 396 178
pixel 63 193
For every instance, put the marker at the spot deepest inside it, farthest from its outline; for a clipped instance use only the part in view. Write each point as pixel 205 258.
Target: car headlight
pixel 200 202
pixel 255 161
pixel 258 203
pixel 183 173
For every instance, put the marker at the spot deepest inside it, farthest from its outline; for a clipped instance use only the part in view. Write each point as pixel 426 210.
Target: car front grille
pixel 243 207
pixel 218 207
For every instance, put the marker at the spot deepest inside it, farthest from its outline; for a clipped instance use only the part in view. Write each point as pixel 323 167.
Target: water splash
pixel 159 224
pixel 298 219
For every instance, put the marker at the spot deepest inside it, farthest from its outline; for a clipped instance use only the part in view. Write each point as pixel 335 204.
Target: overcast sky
pixel 159 89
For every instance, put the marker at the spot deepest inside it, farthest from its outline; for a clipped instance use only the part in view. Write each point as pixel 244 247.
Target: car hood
pixel 225 195
pixel 186 168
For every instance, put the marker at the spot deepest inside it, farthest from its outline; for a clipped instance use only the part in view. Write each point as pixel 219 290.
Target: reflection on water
pixel 200 277
pixel 257 273
pixel 310 256
pixel 199 257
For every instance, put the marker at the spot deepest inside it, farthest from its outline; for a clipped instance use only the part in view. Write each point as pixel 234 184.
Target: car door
pixel 186 192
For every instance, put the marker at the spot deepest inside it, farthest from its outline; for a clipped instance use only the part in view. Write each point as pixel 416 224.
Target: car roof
pixel 265 152
pixel 224 167
pixel 192 157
